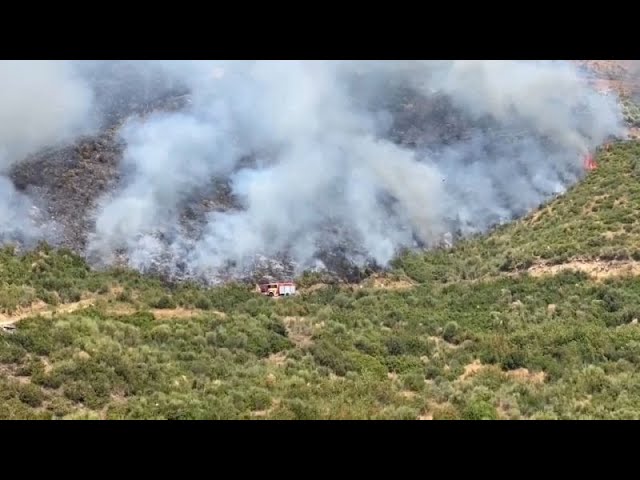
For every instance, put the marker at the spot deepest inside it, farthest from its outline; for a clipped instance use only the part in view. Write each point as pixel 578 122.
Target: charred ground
pixel 66 182
pixel 69 180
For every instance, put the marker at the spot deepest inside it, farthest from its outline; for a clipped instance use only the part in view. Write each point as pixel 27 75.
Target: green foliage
pixel 328 355
pixel 413 382
pixel 164 301
pixel 631 112
pixel 447 412
pixel 124 296
pixel 203 303
pixel 476 338
pixel 452 333
pixel 31 395
pixel 479 410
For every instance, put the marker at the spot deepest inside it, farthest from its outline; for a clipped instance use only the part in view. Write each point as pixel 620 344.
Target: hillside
pixel 216 171
pixel 538 319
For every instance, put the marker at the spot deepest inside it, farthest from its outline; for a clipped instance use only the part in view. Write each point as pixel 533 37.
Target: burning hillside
pixel 219 170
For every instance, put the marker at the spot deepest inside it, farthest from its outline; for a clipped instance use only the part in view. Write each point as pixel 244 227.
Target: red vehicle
pixel 277 289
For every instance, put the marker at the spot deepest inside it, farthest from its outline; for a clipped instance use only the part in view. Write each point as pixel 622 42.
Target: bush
pixel 71 295
pixel 367 364
pixel 366 346
pixel 432 371
pixel 479 410
pixel 161 333
pixel 124 296
pixel 513 359
pixel 342 300
pixel 452 333
pixel 259 399
pixel 328 355
pixel 405 413
pixel 301 409
pixel 446 412
pixel 163 302
pixel 404 364
pixel 623 317
pixel 79 392
pixel 277 327
pixel 31 395
pixel 609 300
pixel 406 345
pixel 50 298
pixel 51 380
pixel 413 382
pixel 203 303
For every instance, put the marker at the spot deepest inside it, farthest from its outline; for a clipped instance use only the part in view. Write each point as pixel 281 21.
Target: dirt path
pixel 47 311
pixel 596 269
pixel 41 308
pixel 182 313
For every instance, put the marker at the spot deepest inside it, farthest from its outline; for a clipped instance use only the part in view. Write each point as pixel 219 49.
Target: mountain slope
pixel 487 329
pixel 213 171
pixel 595 220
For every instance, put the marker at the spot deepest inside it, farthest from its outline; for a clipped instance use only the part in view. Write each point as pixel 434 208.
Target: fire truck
pixel 276 289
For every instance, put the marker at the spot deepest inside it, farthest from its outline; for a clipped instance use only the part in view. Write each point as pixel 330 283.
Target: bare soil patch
pixel 597 269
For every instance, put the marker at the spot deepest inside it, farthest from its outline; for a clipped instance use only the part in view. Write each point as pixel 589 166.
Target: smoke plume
pixel 308 150
pixel 360 157
pixel 42 104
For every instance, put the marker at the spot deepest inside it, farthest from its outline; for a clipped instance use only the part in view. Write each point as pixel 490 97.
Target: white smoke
pixel 42 103
pixel 326 175
pixel 323 173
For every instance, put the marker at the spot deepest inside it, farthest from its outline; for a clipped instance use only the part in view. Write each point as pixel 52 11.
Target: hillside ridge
pixel 536 319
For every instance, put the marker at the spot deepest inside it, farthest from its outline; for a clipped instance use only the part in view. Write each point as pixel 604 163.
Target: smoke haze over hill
pixel 368 157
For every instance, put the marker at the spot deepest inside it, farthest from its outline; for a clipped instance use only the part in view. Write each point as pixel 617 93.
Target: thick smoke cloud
pixel 123 87
pixel 307 147
pixel 42 104
pixel 320 156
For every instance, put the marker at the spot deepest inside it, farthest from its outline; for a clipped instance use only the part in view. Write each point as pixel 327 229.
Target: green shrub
pixel 163 302
pixel 413 382
pixel 452 333
pixel 203 303
pixel 404 364
pixel 367 364
pixel 404 413
pixel 79 391
pixel 31 395
pixel 275 325
pixel 479 410
pixel 328 355
pixel 124 296
pixel 259 399
pixel 446 412
pixel 301 409
pixel 406 345
pixel 433 371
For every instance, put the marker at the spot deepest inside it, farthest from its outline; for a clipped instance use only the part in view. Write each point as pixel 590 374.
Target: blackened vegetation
pixel 69 181
pixel 420 121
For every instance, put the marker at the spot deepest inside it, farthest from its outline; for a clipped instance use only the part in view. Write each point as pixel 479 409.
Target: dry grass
pixel 596 269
